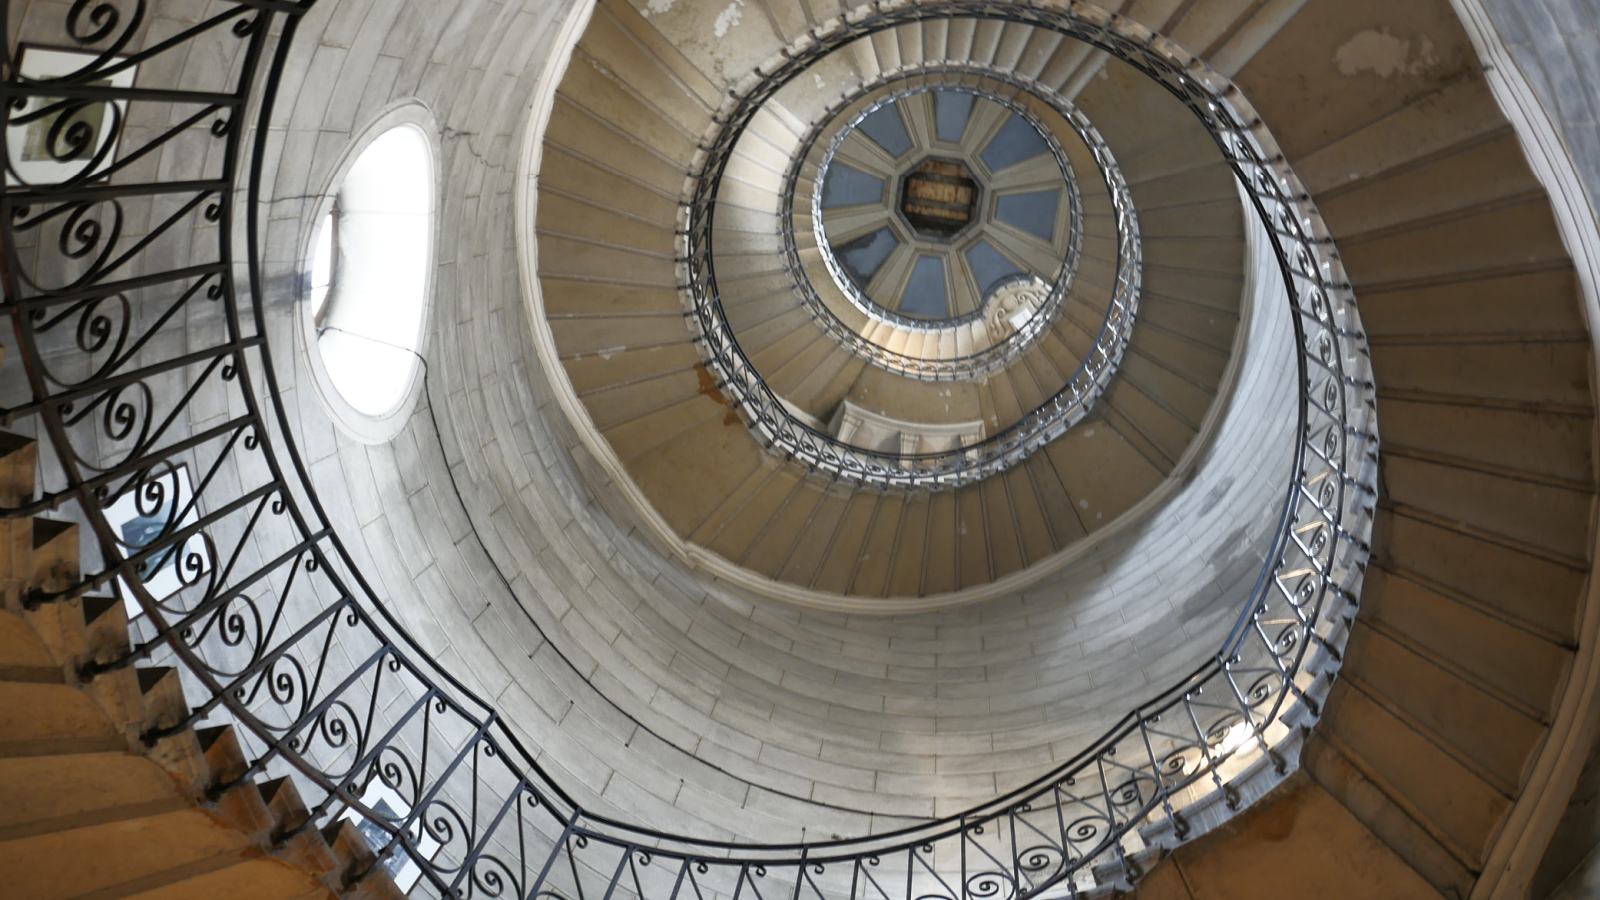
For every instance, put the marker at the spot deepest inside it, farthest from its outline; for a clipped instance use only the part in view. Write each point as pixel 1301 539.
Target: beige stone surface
pixel 1297 842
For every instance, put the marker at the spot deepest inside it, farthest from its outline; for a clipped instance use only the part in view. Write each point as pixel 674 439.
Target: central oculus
pixel 930 200
pixel 939 197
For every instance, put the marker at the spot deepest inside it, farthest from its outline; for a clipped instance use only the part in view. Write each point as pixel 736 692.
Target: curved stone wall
pixel 652 692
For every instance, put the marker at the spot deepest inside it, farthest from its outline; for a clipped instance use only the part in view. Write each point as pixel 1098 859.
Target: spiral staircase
pixel 1428 736
pixel 1425 747
pixel 653 399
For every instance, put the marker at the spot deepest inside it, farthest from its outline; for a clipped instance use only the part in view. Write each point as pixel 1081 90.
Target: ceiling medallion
pixel 939 198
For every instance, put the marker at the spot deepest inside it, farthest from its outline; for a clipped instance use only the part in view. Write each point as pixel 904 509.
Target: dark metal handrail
pixel 146 357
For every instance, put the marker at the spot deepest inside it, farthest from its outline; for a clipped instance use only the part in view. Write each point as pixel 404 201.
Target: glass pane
pixel 989 265
pixel 865 255
pixel 848 187
pixel 951 109
pixel 1017 141
pixel 925 293
pixel 887 130
pixel 1034 213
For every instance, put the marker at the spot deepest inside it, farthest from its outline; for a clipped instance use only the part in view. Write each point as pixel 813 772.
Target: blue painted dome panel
pixel 887 130
pixel 850 187
pixel 1034 213
pixel 925 294
pixel 1017 141
pixel 865 255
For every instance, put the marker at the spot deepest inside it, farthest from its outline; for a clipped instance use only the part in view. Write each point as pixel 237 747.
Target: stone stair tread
pixel 23 657
pixel 49 793
pixel 255 879
pixel 19 460
pixel 1454 802
pixel 910 558
pixel 876 553
pixel 1388 822
pixel 838 567
pixel 356 857
pixel 1506 580
pixel 772 547
pixel 52 718
pixel 1000 524
pixel 1524 666
pixel 805 558
pixel 1475 725
pixel 148 851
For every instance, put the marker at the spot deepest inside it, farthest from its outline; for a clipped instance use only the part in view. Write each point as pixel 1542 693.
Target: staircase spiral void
pixel 947 328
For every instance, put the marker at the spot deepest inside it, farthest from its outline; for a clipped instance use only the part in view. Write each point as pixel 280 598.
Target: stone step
pixel 43 719
pixel 1383 821
pixel 609 44
pixel 1065 526
pixel 1453 803
pixel 1000 527
pixel 122 857
pixel 973 558
pixel 41 794
pixel 255 879
pixel 804 563
pixel 19 461
pixel 1100 471
pixel 1035 537
pixel 1484 733
pixel 296 842
pixel 1026 386
pixel 23 657
pixel 910 552
pixel 775 540
pixel 857 522
pixel 356 859
pixel 53 563
pixel 80 814
pixel 820 390
pixel 696 443
pixel 875 554
pixel 786 378
pixel 939 545
pixel 1518 664
pixel 735 533
pixel 161 692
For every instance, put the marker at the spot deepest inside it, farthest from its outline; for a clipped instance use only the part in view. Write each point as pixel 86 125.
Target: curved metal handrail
pixel 140 359
pixel 784 433
pixel 990 358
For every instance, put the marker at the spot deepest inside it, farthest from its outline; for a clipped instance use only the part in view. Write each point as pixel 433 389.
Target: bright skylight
pixel 322 267
pixel 372 260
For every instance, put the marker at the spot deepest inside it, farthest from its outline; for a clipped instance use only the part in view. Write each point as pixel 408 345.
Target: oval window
pixel 368 270
pixel 373 254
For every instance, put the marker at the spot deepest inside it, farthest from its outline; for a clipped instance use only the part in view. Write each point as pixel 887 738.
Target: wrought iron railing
pixel 906 83
pixel 143 354
pixel 786 434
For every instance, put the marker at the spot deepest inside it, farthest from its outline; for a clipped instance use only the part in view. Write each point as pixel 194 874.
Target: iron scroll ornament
pixel 276 630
